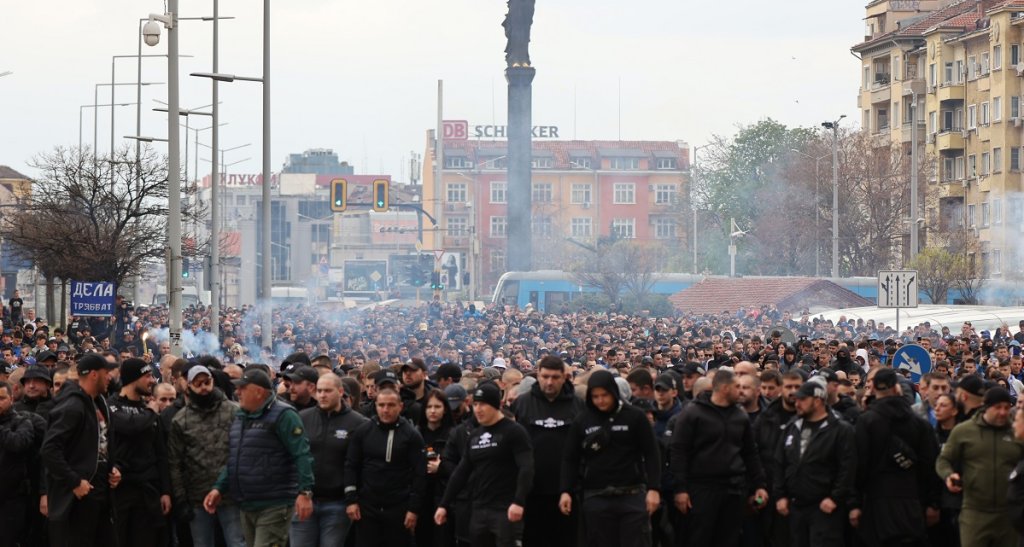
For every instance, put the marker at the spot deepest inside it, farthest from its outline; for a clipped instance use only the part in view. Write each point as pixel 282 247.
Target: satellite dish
pixel 787 335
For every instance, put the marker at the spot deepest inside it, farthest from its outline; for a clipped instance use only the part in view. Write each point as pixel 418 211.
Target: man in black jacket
pixel 768 429
pixel 76 455
pixel 814 471
pixel 715 465
pixel 547 412
pixel 896 481
pixel 328 427
pixel 614 443
pixel 18 440
pixel 385 475
pixel 140 451
pixel 498 493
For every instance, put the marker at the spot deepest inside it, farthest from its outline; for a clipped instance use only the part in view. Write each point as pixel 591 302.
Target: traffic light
pixel 380 195
pixel 339 195
pixel 435 281
pixel 185 268
pixel 415 275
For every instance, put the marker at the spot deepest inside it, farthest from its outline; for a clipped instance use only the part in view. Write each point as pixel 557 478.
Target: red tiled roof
pixel 715 295
pixel 918 27
pixel 564 150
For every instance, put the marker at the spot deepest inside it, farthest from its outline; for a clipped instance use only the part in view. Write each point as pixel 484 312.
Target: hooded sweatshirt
pixel 548 423
pixel 610 449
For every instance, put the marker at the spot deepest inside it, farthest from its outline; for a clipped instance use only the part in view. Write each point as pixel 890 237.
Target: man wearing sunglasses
pixel 197 450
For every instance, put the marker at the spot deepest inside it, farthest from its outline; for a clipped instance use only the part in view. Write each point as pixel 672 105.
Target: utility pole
pixel 913 178
pixel 834 126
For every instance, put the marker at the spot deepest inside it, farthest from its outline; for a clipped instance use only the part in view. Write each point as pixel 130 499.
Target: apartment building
pixel 963 63
pixel 580 190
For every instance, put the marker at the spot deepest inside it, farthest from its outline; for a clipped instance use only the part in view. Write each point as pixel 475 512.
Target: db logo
pixel 455 130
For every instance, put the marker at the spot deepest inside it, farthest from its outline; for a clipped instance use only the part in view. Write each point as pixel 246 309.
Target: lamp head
pixel 151 33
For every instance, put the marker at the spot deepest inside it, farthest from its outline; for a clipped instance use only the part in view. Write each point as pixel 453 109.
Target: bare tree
pixel 936 272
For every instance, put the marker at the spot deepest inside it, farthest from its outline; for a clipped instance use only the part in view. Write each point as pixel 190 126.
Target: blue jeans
pixel 204 527
pixel 326 527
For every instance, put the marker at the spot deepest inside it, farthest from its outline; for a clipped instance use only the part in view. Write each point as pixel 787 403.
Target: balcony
pixel 950 189
pixel 914 86
pixel 951 92
pixel 907 135
pixel 949 140
pixel 881 94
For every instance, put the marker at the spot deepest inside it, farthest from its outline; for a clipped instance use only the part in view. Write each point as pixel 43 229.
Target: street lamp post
pixel 266 326
pixel 834 126
pixel 693 205
pixel 817 207
pixel 95 113
pixel 82 108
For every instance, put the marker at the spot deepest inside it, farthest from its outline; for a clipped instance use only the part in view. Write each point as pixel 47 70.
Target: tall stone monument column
pixel 519 74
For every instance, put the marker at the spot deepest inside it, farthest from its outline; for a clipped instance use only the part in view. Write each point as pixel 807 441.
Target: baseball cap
pixel 449 370
pixel 256 377
pixel 385 377
pixel 93 361
pixel 297 358
pixel 666 381
pixel 885 379
pixel 196 371
pixel 973 385
pixel 303 372
pixel 814 389
pixel 415 362
pixel 456 394
pixel 44 356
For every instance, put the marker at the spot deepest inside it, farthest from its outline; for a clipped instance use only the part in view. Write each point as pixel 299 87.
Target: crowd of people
pixel 447 425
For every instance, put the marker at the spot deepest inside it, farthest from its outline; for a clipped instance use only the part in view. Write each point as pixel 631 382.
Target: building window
pixel 498 260
pixel 666 163
pixel 581 193
pixel 933 122
pixel 986 163
pixel 625 164
pixel 625 193
pixel 1015 107
pixel 985 65
pixel 947 169
pixel 541 227
pixel 665 194
pixel 997 261
pixel 1015 159
pixel 664 228
pixel 499 227
pixel 582 227
pixel 972 116
pixel 984 113
pixel 542 192
pixel 972 166
pixel 581 162
pixel 986 214
pixel 498 190
pixel 997 211
pixel 456 162
pixel 948 74
pixel 542 163
pixel 931 75
pixel 1014 55
pixel 997 109
pixel 457 226
pixel 997 160
pixel 456 192
pixel 971 220
pixel 959 173
pixel 997 57
pixel 624 228
pixel 972 68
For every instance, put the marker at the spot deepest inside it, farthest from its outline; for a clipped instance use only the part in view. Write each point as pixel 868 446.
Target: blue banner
pixel 92 298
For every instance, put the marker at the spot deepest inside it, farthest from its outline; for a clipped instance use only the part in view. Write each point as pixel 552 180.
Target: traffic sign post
pixel 897 289
pixel 916 358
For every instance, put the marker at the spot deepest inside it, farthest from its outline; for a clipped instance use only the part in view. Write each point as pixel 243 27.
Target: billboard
pixel 365 276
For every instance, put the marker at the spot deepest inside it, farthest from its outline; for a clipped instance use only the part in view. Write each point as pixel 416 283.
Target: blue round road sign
pixel 915 357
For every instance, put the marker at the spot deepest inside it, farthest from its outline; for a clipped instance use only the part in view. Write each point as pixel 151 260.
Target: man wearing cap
pixel 144 496
pixel 814 471
pixel 385 474
pixel 457 401
pixel 448 374
pixel 35 386
pixel 845 407
pixel 77 460
pixel 498 470
pixel 269 470
pixel 19 441
pixel 414 386
pixel 897 487
pixel 328 427
pixel 301 393
pixel 970 393
pixel 547 412
pixel 666 413
pixel 197 449
pixel 977 460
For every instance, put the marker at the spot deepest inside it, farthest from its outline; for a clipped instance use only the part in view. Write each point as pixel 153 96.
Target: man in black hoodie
pixel 328 427
pixel 140 451
pixel 498 493
pixel 77 458
pixel 896 480
pixel 385 475
pixel 715 465
pixel 547 412
pixel 614 444
pixel 18 441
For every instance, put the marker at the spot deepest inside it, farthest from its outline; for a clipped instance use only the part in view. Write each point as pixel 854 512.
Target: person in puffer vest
pixel 270 469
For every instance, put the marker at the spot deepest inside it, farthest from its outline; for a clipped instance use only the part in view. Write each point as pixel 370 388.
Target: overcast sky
pixel 361 77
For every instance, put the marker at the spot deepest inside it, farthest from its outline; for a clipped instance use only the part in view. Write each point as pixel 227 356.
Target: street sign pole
pixel 897 289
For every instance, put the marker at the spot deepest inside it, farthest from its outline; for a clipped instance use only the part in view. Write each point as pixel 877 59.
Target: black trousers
pixel 490 527
pixel 13 525
pixel 544 525
pixel 810 527
pixel 88 524
pixel 138 519
pixel 612 521
pixel 716 517
pixel 382 527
